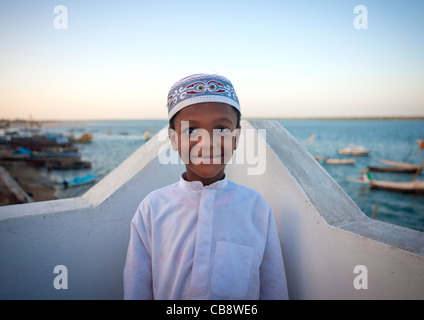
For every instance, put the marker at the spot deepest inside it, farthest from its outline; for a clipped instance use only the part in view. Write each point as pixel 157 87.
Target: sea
pixel 395 140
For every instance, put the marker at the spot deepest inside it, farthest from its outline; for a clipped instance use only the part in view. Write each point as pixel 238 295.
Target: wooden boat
pixel 59 163
pixel 406 187
pixel 354 151
pixel 49 151
pixel 78 181
pixel 85 138
pixel 334 161
pixel 391 169
pixel 400 167
pixel 41 143
pixel 413 186
pixel 340 161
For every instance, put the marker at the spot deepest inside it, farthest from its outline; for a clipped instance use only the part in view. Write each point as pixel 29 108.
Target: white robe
pixel 194 242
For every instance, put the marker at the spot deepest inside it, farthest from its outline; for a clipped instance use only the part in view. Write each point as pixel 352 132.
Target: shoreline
pixel 338 118
pixel 33 181
pixel 4 123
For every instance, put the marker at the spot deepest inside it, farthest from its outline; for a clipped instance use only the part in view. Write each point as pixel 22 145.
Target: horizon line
pixel 246 118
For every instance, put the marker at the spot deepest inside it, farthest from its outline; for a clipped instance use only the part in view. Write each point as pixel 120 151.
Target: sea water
pixel 395 140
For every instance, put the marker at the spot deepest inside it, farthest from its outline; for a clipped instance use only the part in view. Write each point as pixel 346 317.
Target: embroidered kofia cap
pixel 199 88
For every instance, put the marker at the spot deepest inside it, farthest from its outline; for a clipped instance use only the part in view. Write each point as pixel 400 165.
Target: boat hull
pixel 393 169
pixel 405 187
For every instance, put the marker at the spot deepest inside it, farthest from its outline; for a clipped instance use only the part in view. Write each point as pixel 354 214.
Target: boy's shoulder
pixel 162 192
pixel 247 193
pixel 242 187
pixel 171 194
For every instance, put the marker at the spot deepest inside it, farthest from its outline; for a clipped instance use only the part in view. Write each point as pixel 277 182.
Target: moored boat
pixel 354 151
pixel 85 138
pixel 340 161
pixel 50 151
pixel 394 166
pixel 406 187
pixel 78 181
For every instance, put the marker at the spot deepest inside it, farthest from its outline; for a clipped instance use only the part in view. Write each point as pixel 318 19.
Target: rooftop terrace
pixel 323 233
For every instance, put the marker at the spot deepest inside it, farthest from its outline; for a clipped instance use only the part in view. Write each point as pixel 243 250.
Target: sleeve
pixel 273 284
pixel 138 265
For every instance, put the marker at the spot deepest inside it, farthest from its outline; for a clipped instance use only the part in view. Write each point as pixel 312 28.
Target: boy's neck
pixel 190 176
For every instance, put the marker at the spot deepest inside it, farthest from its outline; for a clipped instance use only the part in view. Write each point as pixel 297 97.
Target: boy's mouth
pixel 206 159
pixel 210 157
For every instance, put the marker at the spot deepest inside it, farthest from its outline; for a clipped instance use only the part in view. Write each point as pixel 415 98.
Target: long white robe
pixel 194 242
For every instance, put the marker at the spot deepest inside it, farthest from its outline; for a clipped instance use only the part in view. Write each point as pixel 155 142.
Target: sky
pixel 118 59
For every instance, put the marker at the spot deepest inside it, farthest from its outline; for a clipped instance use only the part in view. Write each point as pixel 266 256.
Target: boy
pixel 204 237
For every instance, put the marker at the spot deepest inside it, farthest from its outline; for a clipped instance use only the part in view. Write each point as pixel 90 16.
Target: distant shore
pixel 5 123
pixel 338 118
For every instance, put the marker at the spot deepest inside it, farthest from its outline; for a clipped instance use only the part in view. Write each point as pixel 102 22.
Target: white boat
pixel 354 151
pixel 340 161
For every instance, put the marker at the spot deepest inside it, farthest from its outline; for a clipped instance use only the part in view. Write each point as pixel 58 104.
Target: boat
pixel 85 138
pixel 334 161
pixel 146 135
pixel 52 151
pixel 41 143
pixel 58 163
pixel 78 181
pixel 393 166
pixel 406 187
pixel 391 169
pixel 354 151
pixel 340 161
pixel 413 186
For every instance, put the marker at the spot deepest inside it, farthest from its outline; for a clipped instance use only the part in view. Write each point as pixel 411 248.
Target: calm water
pixel 388 139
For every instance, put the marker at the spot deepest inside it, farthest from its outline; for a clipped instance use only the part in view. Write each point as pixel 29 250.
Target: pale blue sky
pixel 118 59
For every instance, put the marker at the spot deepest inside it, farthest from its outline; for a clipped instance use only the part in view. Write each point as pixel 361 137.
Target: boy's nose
pixel 208 140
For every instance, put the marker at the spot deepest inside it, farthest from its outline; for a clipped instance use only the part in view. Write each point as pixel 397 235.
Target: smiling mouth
pixel 207 157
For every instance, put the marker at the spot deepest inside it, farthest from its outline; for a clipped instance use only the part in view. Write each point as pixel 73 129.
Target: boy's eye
pixel 190 131
pixel 222 131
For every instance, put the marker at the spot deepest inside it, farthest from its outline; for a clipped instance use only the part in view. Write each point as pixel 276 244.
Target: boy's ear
pixel 173 137
pixel 236 137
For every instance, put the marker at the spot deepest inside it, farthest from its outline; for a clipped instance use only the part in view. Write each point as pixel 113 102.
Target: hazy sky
pixel 118 59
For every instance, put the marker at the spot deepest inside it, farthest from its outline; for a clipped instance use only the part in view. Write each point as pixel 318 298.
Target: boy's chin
pixel 206 171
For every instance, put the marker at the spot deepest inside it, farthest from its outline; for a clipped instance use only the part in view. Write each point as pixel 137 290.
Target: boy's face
pixel 205 136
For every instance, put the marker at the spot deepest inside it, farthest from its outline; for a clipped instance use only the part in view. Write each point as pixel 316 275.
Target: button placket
pixel 202 252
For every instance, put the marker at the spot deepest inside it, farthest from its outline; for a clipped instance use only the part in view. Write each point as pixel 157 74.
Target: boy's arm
pixel 272 274
pixel 138 266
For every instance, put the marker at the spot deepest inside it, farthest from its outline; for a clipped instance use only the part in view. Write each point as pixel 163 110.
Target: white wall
pixel 89 235
pixel 323 233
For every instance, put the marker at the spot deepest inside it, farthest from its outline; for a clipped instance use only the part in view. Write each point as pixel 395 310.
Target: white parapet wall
pixel 331 249
pixel 325 237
